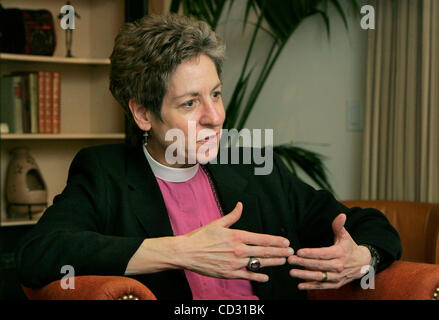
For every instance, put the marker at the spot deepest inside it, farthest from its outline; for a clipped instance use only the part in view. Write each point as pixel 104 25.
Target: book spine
pixel 7 103
pixel 56 102
pixel 18 104
pixel 48 113
pixel 33 95
pixel 41 103
pixel 25 98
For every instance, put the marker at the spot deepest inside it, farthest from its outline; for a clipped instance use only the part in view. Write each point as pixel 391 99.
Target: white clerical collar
pixel 168 173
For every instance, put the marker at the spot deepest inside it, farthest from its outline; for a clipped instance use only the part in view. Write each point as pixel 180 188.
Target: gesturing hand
pixel 341 262
pixel 216 250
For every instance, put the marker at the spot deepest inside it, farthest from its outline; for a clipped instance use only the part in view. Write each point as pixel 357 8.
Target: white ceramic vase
pixel 26 192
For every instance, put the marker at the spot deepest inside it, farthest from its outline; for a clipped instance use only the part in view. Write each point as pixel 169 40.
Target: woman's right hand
pixel 216 250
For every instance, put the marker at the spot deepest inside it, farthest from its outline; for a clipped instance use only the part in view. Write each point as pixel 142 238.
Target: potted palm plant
pixel 282 17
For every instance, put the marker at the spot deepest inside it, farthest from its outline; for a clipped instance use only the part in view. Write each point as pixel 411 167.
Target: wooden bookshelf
pixel 63 136
pixel 18 222
pixel 89 113
pixel 49 59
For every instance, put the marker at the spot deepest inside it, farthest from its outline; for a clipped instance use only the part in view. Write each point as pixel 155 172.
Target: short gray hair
pixel 146 52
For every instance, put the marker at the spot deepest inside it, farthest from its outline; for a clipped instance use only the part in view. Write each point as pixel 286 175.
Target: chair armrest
pixel 93 288
pixel 401 281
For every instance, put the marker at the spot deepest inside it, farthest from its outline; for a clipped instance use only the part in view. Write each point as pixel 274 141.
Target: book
pixel 11 103
pixel 30 100
pixel 48 104
pixel 41 103
pixel 6 103
pixel 25 101
pixel 56 100
pixel 33 101
pixel 17 111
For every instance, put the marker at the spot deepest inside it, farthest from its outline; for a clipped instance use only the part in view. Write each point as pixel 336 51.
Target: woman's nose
pixel 212 114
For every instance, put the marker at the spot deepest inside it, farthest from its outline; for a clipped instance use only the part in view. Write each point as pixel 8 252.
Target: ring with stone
pixel 253 264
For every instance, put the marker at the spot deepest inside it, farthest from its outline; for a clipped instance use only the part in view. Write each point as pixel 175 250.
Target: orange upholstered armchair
pixel 401 281
pixel 417 223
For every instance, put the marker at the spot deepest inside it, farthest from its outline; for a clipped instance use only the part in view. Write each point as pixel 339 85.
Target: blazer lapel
pixel 146 198
pixel 148 205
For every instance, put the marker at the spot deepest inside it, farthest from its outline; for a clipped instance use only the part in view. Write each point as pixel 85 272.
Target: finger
pixel 252 276
pixel 318 285
pixel 313 275
pixel 327 253
pixel 232 217
pixel 267 262
pixel 267 252
pixel 338 226
pixel 260 239
pixel 264 262
pixel 333 265
pixel 272 262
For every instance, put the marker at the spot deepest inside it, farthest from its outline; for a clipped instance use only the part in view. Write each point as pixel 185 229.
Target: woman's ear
pixel 140 114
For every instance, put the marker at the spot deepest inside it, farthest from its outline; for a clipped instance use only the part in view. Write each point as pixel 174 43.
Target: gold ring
pixel 325 277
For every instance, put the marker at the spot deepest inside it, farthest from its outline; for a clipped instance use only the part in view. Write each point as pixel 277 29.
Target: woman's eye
pixel 188 104
pixel 216 94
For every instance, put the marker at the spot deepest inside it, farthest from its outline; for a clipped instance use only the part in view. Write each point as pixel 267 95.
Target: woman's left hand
pixel 342 263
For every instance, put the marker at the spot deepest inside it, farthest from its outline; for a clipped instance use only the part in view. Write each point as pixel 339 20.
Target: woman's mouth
pixel 209 139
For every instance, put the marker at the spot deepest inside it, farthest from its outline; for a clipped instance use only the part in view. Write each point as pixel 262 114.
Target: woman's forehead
pixel 191 76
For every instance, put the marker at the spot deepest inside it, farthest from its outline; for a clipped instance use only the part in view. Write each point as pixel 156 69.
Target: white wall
pixel 304 99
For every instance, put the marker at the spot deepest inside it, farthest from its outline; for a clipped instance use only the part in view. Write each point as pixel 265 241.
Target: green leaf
pixel 340 10
pixel 236 101
pixel 310 162
pixel 207 10
pixel 175 5
pixel 248 7
pixel 326 20
pixel 263 76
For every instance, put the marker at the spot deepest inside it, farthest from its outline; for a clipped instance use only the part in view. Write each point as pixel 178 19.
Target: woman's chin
pixel 206 157
pixel 207 152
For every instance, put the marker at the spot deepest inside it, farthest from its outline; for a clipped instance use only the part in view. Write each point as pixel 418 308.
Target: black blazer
pixel 112 202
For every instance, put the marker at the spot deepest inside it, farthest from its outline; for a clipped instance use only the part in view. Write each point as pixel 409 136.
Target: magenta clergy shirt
pixel 191 204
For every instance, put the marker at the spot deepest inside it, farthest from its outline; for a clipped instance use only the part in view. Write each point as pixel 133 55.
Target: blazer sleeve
pixel 70 231
pixel 316 209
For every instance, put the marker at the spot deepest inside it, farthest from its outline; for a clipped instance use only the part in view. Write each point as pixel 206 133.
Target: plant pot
pixel 26 192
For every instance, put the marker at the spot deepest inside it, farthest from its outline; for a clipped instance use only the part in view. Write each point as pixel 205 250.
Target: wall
pixel 304 99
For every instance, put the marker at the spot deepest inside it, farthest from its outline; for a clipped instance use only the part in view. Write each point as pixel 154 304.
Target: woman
pixel 188 228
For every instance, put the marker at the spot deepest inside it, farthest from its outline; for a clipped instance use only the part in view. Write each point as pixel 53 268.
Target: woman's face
pixel 193 105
